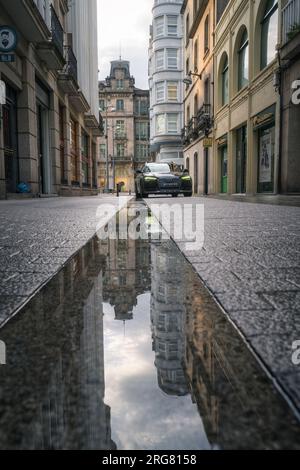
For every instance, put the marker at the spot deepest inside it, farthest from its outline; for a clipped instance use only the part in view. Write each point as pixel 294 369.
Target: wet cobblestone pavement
pixel 250 262
pixel 37 237
pixel 125 348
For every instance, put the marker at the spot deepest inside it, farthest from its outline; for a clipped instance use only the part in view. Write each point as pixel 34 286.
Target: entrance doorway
pixel 196 173
pixel 224 169
pixel 10 133
pixel 241 159
pixel 206 170
pixel 43 140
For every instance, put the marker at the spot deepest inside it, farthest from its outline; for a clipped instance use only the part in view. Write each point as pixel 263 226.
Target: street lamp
pixel 188 80
pixel 106 109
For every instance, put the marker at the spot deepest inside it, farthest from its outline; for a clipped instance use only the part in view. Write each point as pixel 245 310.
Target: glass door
pixel 241 159
pixel 224 169
pixel 10 133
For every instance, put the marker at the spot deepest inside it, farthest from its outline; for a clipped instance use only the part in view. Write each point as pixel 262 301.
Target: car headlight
pixel 150 178
pixel 186 178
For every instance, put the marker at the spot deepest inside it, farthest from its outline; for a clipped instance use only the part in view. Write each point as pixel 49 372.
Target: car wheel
pixel 145 196
pixel 188 195
pixel 174 195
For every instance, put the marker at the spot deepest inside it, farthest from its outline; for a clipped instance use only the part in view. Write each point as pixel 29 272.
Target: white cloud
pixel 125 25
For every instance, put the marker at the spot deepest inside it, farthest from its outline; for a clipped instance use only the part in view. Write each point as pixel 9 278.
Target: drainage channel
pixel 126 349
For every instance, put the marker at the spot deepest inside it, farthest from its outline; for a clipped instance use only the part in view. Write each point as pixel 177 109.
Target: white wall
pixel 82 23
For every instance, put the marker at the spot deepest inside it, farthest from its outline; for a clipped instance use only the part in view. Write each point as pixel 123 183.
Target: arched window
pixel 269 33
pixel 225 81
pixel 243 61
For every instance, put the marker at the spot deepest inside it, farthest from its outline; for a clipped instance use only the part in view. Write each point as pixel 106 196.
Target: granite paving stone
pixel 251 264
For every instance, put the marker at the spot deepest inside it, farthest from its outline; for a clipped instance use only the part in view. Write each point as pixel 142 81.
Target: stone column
pixel 55 144
pixel 27 126
pixel 2 162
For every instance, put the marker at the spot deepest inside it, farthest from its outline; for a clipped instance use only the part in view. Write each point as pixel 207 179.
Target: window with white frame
pixel 172 123
pixel 159 26
pixel 160 123
pixel 159 59
pixel 172 59
pixel 172 88
pixel 160 92
pixel 172 25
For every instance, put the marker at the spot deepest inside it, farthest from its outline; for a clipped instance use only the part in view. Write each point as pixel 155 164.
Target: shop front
pixel 43 139
pixel 10 134
pixel 264 126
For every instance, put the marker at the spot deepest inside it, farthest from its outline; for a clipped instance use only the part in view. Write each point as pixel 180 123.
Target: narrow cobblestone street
pixel 37 237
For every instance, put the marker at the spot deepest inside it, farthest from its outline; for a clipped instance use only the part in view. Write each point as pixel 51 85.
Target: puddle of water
pixel 125 349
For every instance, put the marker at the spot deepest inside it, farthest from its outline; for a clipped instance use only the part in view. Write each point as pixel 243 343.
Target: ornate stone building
pixel 50 119
pixel 125 145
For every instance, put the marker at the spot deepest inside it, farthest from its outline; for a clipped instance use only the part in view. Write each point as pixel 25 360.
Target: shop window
pixel 266 150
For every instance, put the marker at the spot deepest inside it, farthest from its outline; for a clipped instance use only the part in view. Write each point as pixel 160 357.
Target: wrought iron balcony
pixel 71 63
pixel 203 119
pixel 57 32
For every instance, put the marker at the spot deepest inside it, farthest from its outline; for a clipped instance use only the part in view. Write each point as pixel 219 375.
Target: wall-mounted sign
pixel 2 92
pixel 7 57
pixel 8 39
pixel 207 142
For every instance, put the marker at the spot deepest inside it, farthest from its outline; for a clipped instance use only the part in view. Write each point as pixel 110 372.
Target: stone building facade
pixel 289 182
pixel 125 145
pixel 165 81
pixel 199 20
pixel 247 98
pixel 50 121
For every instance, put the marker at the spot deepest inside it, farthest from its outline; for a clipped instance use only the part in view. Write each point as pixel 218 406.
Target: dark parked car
pixel 158 178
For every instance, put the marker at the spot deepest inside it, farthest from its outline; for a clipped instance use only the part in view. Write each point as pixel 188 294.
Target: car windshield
pixel 159 168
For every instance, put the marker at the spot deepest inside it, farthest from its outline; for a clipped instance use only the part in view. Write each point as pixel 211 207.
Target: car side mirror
pixel 138 172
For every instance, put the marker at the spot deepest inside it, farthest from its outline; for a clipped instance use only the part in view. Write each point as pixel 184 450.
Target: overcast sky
pixel 125 23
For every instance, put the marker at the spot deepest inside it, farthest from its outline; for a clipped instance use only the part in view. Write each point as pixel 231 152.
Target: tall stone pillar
pixel 27 126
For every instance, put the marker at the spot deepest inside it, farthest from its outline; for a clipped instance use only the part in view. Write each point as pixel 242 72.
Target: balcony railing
pixel 290 20
pixel 203 118
pixel 199 125
pixel 71 63
pixel 57 32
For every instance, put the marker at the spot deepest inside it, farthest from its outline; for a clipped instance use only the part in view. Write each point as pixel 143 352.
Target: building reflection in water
pixel 168 318
pixel 127 274
pixel 52 388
